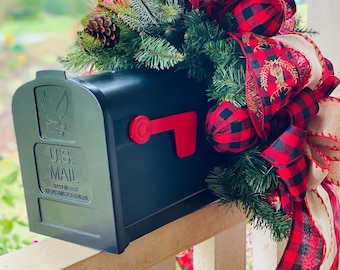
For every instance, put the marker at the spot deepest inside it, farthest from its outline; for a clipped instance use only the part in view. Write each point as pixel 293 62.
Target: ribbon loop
pixel 287 156
pixel 286 153
pixel 302 108
pixel 324 139
pixel 319 166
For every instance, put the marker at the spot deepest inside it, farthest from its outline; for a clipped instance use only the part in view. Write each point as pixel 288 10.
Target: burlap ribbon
pixel 310 168
pixel 323 154
pixel 323 148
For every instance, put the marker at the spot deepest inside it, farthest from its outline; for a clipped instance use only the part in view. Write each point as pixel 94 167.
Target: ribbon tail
pixel 314 239
pixel 305 245
pixel 335 206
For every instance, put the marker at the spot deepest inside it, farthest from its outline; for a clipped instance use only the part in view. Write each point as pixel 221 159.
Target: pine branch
pixel 157 53
pixel 257 172
pixel 134 23
pixel 204 32
pixel 139 16
pixel 223 52
pixel 81 56
pixel 194 17
pixel 228 85
pixel 265 218
pixel 77 61
pixel 151 17
pixel 199 32
pixel 229 23
pixel 108 61
pixel 87 53
pixel 169 12
pixel 196 64
pixel 145 11
pixel 174 33
pixel 228 81
pixel 244 182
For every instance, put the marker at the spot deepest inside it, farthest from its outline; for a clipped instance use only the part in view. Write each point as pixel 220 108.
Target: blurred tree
pixel 73 7
pixel 26 8
pixel 6 7
pixel 32 8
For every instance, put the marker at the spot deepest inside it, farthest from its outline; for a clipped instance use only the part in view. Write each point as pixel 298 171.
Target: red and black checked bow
pixel 306 157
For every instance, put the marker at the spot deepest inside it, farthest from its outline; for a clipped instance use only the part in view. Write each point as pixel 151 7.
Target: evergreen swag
pixel 168 34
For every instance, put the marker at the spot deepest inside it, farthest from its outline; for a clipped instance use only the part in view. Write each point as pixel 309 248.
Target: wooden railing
pixel 218 235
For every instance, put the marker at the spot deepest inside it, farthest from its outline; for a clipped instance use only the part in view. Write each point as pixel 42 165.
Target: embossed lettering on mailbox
pixel 62 171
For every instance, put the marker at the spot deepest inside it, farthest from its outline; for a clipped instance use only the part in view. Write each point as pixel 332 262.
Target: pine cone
pixel 104 30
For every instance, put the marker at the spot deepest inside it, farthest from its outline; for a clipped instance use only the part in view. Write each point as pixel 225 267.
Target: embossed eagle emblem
pixel 55 113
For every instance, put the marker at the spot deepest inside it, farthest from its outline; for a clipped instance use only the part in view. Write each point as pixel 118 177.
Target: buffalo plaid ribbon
pixel 263 17
pixel 305 247
pixel 286 153
pixel 275 74
pixel 229 128
pixel 311 149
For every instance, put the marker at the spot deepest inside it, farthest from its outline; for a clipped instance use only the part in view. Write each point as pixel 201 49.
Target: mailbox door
pixel 61 138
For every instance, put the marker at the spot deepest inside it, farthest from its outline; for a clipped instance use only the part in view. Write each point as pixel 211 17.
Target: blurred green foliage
pixel 21 9
pixel 10 194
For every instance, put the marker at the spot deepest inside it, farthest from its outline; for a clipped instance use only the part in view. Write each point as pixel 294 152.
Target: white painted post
pixel 323 16
pixel 225 251
pixel 266 252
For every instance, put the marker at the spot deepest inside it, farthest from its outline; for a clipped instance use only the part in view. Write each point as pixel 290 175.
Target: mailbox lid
pixel 61 138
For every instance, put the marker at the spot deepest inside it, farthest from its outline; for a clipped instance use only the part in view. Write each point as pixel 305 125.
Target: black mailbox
pixel 107 158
